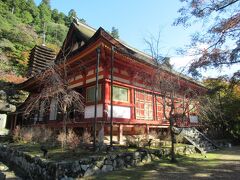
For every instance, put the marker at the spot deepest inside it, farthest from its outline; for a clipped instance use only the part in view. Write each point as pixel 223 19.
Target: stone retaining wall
pixel 40 169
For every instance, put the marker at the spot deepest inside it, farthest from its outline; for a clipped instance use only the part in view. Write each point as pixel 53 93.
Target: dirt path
pixel 223 164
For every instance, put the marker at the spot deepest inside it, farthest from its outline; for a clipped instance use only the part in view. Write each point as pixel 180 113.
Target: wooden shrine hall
pixel 95 57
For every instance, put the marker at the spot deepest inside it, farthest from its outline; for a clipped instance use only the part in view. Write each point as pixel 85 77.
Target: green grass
pixel 56 153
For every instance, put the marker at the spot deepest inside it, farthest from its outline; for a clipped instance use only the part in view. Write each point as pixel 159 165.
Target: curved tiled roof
pixel 88 32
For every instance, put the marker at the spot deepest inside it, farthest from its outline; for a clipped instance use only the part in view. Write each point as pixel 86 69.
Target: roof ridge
pixel 118 39
pixel 84 24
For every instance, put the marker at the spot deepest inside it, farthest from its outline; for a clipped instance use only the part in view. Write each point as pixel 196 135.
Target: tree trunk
pixel 173 159
pixel 65 125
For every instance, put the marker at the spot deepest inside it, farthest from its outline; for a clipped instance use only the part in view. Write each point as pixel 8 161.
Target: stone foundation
pixel 37 168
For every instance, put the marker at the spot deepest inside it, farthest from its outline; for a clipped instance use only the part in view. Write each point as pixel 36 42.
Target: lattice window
pixel 161 106
pixel 90 93
pixel 144 105
pixel 120 94
pixel 179 106
pixel 53 109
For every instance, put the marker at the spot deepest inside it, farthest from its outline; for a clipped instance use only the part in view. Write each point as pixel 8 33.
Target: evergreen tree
pixel 71 14
pixel 17 37
pixel 114 32
pixel 47 3
pixel 16 6
pixel 32 8
pixel 27 17
pixel 45 12
pixel 55 15
pixel 61 17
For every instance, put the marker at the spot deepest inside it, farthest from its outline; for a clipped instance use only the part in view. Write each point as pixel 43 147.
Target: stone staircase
pixel 199 140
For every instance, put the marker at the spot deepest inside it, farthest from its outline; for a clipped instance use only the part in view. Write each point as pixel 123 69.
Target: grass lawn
pixel 222 164
pixel 56 154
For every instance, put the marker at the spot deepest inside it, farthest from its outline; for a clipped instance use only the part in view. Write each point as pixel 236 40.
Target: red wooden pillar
pixel 106 100
pixel 11 120
pixel 147 131
pixel 154 108
pixel 132 102
pixel 15 121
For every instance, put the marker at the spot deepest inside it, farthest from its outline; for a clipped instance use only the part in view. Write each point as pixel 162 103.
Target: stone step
pixel 198 139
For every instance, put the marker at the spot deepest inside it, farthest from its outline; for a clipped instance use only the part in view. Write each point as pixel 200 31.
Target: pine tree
pixel 45 12
pixel 71 14
pixel 47 3
pixel 32 8
pixel 114 32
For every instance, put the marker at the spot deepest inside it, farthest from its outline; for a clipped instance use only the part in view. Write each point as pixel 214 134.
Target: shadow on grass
pixel 187 167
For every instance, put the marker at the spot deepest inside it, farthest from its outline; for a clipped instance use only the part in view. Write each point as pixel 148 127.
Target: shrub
pixel 131 141
pixel 16 134
pixel 47 135
pixel 26 135
pixel 61 138
pixel 42 135
pixel 155 136
pixel 86 137
pixel 136 141
pixel 180 138
pixel 73 139
pixel 37 134
pixel 101 137
pixel 23 134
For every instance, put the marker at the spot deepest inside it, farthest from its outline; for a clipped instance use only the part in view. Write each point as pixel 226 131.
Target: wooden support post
pixel 15 121
pixel 154 108
pixel 132 101
pixel 96 100
pixel 111 113
pixel 147 131
pixel 120 134
pixel 11 126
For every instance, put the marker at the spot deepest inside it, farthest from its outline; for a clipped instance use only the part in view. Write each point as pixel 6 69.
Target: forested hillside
pixel 23 24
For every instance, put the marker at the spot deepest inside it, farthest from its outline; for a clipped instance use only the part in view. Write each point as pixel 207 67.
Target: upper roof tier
pixel 86 34
pixel 41 57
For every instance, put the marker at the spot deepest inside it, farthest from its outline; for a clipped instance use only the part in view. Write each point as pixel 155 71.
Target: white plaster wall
pixel 115 78
pixel 76 85
pixel 3 120
pixel 89 111
pixel 53 110
pixel 193 119
pixel 41 111
pixel 120 112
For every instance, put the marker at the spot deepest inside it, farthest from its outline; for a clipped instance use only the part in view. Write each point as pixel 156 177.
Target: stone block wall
pixel 37 168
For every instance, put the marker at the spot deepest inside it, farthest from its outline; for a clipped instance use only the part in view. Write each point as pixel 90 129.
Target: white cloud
pixel 181 63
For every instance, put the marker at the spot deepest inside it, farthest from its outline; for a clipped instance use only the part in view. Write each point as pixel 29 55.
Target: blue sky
pixel 135 19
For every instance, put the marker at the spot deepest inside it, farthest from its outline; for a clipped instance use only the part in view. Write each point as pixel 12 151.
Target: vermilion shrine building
pixel 135 104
